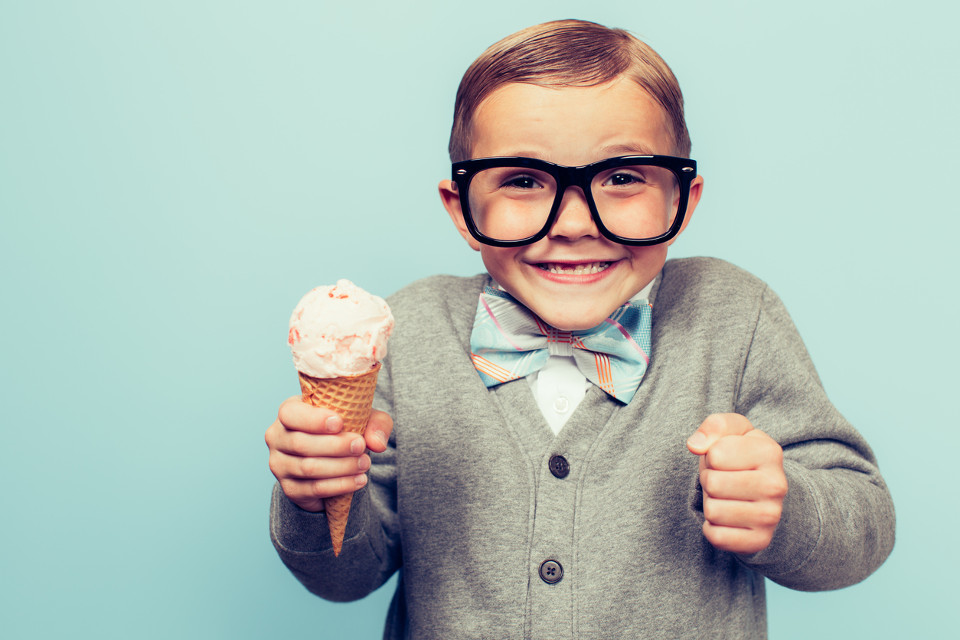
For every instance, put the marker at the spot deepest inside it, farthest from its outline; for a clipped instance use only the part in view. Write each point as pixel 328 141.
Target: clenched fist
pixel 741 474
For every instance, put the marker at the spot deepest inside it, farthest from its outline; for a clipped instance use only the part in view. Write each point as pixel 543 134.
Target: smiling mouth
pixel 585 268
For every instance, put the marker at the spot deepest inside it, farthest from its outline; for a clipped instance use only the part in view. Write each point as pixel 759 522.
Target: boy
pixel 606 445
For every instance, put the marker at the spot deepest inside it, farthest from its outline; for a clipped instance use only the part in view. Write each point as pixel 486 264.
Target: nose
pixel 574 220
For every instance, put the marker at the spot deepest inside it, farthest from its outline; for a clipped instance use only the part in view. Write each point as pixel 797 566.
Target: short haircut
pixel 573 53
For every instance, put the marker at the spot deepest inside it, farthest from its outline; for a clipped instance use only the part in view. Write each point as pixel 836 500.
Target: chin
pixel 566 323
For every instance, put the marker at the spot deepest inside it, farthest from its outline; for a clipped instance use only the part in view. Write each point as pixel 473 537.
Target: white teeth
pixel 577 270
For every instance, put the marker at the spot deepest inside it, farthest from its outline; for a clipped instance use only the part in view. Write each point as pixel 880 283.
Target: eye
pixel 624 178
pixel 521 182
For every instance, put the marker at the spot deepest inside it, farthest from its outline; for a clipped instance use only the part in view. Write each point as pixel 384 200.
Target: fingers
pixel 317 467
pixel 735 540
pixel 741 525
pixel 740 453
pixel 740 513
pixel 742 485
pixel 312 458
pixel 287 466
pixel 307 480
pixel 299 443
pixel 298 424
pixel 715 427
pixel 309 494
pixel 297 415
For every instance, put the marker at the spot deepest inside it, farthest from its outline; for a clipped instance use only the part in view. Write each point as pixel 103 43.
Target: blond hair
pixel 566 53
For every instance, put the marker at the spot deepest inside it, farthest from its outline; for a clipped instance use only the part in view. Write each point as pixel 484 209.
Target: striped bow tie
pixel 509 342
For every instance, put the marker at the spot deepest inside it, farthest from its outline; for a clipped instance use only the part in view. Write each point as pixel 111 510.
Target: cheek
pixel 499 261
pixel 645 264
pixel 644 258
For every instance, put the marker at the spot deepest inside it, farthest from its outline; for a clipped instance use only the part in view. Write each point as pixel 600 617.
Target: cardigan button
pixel 551 571
pixel 559 467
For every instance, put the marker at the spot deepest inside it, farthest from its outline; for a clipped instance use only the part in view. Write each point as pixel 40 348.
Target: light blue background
pixel 174 175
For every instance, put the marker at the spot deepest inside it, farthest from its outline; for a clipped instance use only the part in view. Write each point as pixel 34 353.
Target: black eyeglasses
pixel 634 200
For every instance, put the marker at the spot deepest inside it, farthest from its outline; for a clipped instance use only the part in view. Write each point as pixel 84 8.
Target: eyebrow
pixel 609 151
pixel 627 150
pixel 520 153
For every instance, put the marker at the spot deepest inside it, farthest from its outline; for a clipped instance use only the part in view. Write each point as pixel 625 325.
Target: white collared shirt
pixel 559 386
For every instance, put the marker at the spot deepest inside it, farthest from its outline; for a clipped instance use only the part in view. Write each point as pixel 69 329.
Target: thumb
pixel 714 427
pixel 378 431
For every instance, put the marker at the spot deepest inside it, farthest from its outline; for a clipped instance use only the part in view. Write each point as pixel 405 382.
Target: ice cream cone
pixel 338 337
pixel 352 398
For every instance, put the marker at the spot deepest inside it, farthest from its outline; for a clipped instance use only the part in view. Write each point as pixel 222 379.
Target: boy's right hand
pixel 312 459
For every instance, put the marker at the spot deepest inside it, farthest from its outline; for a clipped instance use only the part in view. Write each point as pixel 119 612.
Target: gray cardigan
pixel 465 502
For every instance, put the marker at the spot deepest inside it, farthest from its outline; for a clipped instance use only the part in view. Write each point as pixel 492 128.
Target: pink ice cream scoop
pixel 339 330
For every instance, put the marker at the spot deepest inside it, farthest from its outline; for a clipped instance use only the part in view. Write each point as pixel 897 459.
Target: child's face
pixel 574 277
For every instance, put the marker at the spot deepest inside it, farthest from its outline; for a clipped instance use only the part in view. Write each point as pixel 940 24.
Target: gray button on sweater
pixel 465 502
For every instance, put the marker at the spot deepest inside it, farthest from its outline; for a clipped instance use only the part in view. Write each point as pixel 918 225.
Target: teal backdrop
pixel 175 175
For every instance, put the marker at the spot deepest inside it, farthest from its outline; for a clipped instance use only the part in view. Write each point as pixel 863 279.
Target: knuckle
pixel 713 423
pixel 710 510
pixel 776 453
pixel 276 467
pixel 289 489
pixel 777 487
pixel 714 456
pixel 284 413
pixel 717 536
pixel 306 467
pixel 769 515
pixel 708 482
pixel 297 442
pixel 268 436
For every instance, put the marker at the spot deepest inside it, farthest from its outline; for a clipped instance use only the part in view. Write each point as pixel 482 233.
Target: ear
pixel 451 202
pixel 696 190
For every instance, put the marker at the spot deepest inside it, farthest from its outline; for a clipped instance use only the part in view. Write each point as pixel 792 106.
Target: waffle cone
pixel 352 398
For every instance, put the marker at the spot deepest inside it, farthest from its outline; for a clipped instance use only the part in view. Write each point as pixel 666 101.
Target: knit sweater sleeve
pixel 837 525
pixel 370 552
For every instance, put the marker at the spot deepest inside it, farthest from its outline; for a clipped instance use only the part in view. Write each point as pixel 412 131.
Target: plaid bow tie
pixel 509 342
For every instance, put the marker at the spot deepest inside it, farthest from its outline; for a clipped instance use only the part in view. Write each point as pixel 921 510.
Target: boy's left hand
pixel 741 473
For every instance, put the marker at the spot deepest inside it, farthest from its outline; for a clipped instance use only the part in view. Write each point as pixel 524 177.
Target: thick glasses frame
pixel 684 168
